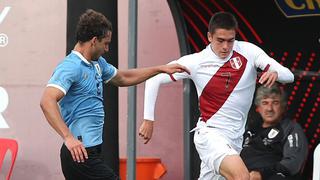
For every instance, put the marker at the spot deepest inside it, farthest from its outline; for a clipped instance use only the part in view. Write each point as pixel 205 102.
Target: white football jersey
pixel 225 87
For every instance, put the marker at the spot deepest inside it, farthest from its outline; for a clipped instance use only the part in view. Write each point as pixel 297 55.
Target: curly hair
pixel 92 24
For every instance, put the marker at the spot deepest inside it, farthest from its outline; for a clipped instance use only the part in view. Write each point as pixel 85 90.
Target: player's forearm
pixel 151 92
pixel 285 75
pixel 136 76
pixel 150 98
pixel 51 112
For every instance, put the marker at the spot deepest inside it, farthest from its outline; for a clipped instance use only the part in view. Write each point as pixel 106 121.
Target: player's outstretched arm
pixel 152 86
pixel 135 76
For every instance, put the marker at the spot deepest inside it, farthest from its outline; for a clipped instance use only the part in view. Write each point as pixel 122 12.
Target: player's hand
pixel 174 68
pixel 268 78
pixel 146 130
pixel 255 175
pixel 76 148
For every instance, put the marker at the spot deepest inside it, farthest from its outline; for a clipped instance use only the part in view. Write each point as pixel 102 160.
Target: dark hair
pixel 275 89
pixel 222 20
pixel 92 24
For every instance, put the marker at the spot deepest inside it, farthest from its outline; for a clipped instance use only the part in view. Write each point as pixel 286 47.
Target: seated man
pixel 277 147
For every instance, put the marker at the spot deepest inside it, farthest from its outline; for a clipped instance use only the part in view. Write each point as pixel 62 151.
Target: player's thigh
pixel 232 167
pixel 206 173
pixel 212 147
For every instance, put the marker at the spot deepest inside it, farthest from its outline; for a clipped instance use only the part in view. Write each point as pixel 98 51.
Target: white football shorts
pixel 212 147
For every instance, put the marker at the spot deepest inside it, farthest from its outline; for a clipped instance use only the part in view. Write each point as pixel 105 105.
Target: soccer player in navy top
pixel 72 102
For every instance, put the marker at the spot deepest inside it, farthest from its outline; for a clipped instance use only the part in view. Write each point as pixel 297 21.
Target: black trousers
pixel 93 168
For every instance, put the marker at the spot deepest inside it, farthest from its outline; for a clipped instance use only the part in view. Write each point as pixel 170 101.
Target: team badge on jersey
pixel 273 133
pixel 236 63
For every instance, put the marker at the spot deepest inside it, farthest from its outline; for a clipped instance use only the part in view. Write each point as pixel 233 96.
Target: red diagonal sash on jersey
pixel 221 85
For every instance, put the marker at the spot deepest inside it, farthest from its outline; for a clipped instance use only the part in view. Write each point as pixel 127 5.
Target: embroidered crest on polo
pixel 273 133
pixel 236 63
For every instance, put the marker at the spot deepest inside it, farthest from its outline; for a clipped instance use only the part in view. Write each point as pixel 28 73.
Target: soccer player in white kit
pixel 224 74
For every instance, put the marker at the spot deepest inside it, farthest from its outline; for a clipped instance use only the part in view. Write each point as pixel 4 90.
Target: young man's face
pixel 222 41
pixel 271 110
pixel 102 46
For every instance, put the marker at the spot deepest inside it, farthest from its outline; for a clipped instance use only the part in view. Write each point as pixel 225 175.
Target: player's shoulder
pixel 101 59
pixel 72 59
pixel 70 62
pixel 244 47
pixel 188 59
pixel 198 55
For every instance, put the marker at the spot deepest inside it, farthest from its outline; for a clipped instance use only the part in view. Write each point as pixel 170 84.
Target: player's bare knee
pixel 240 176
pixel 243 176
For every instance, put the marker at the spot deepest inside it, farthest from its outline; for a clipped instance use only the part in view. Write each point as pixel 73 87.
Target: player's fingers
pixel 84 151
pixel 81 155
pixel 178 68
pixel 270 81
pixel 78 154
pixel 274 78
pixel 267 84
pixel 184 69
pixel 141 135
pixel 266 81
pixel 262 78
pixel 73 155
pixel 146 136
pixel 141 132
pixel 146 140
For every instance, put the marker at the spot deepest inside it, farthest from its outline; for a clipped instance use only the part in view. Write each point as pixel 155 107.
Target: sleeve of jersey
pixel 63 76
pixel 152 86
pixel 108 70
pixel 295 150
pixel 268 64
